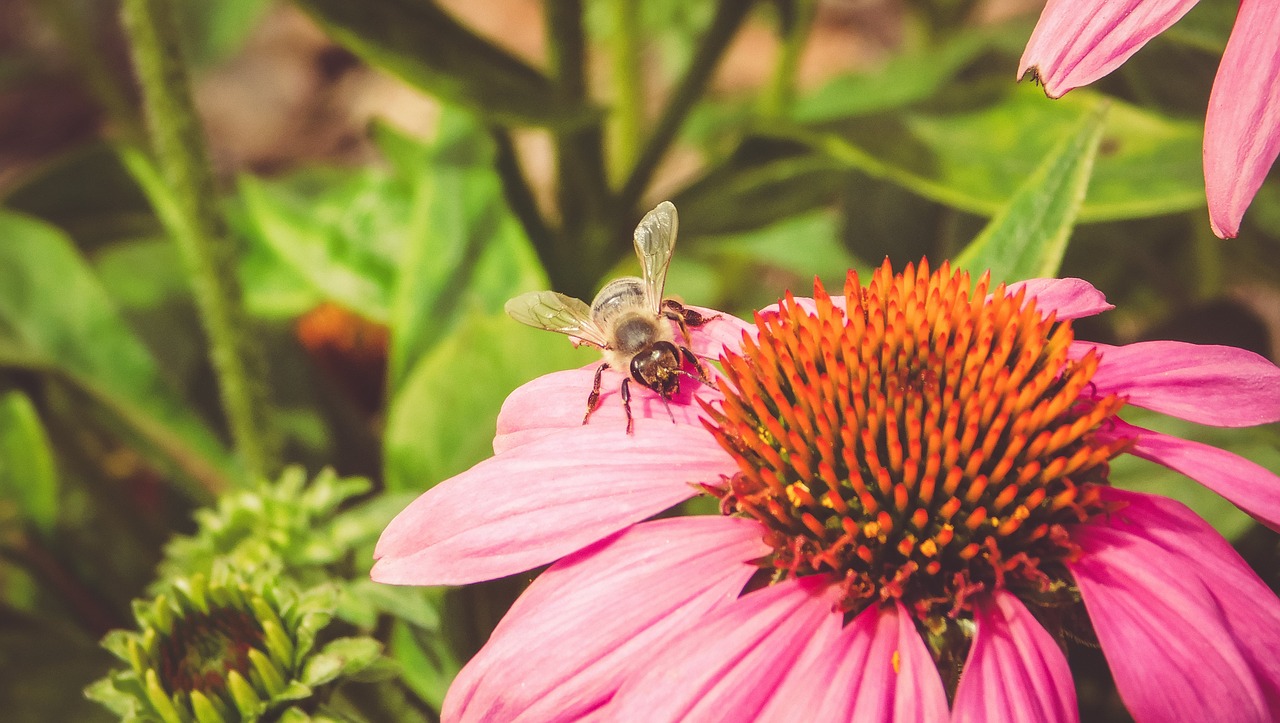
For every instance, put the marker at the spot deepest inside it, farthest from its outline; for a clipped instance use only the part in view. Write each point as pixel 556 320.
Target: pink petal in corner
pixel 1242 125
pixel 1076 42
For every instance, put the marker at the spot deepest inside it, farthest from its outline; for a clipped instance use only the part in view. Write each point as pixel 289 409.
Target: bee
pixel 627 321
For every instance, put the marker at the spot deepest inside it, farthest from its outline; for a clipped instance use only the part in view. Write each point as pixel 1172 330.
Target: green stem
pixel 628 100
pixel 730 14
pixel 778 96
pixel 583 250
pixel 198 227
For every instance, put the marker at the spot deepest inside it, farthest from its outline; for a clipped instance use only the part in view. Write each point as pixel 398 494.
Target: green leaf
pixel 90 194
pixel 913 76
pixel 1028 237
pixel 443 419
pixel 338 231
pixel 427 662
pixel 759 184
pixel 464 251
pixel 55 316
pixel 426 47
pixel 340 658
pixel 28 476
pixel 1147 164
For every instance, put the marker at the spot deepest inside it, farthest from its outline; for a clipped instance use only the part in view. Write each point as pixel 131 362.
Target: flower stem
pixel 198 227
pixel 583 251
pixel 778 96
pixel 628 99
pixel 724 26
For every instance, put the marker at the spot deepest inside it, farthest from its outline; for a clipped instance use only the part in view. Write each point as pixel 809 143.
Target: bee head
pixel 658 368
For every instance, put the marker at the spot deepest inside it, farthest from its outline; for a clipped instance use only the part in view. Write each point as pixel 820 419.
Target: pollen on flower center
pixel 924 444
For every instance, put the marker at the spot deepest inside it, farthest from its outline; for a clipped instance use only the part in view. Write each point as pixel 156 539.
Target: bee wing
pixel 556 312
pixel 655 239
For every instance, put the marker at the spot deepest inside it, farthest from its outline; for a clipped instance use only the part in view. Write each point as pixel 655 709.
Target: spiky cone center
pixel 211 651
pixel 202 650
pixel 925 445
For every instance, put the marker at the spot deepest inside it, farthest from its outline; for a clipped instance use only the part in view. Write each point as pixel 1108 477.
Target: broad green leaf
pixel 339 231
pixel 55 316
pixel 28 476
pixel 807 246
pixel 1028 237
pixel 427 662
pixel 426 47
pixel 463 248
pixel 755 187
pixel 911 77
pixel 1147 164
pixel 442 421
pixel 89 194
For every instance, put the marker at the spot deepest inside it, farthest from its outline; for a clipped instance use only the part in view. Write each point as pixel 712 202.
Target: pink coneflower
pixel 914 481
pixel 1078 41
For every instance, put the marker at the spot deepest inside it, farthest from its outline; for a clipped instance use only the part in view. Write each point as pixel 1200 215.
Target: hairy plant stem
pixel 197 226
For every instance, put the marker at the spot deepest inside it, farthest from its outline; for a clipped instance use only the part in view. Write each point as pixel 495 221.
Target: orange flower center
pixel 924 444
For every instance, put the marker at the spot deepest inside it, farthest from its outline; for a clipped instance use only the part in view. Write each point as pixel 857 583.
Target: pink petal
pixel 722 331
pixel 1189 630
pixel 1218 385
pixel 1248 485
pixel 729 668
pixel 543 500
pixel 598 616
pixel 1078 41
pixel 1015 670
pixel 557 401
pixel 1242 125
pixel 1070 298
pixel 877 669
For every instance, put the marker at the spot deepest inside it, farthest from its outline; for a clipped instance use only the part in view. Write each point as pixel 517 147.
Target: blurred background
pixel 388 174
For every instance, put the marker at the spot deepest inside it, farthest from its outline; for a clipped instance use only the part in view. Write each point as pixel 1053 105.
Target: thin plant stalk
pixel 198 227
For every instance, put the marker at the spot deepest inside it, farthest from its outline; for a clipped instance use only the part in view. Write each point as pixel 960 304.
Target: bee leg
pixel 594 398
pixel 683 317
pixel 626 401
pixel 687 354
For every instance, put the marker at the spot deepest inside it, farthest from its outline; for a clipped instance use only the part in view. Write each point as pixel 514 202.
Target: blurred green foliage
pixel 111 431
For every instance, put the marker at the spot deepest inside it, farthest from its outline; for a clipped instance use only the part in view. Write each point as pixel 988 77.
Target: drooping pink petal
pixel 558 401
pixel 1015 670
pixel 1250 486
pixel 1242 125
pixel 598 616
pixel 729 668
pixel 1069 298
pixel 1189 630
pixel 539 502
pixel 877 670
pixel 1218 385
pixel 1076 42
